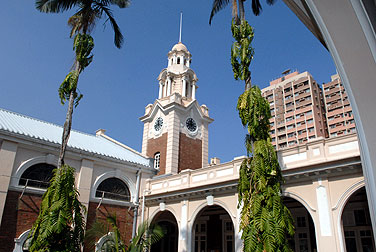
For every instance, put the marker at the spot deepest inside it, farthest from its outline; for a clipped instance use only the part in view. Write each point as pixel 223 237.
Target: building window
pixel 178 60
pixel 22 243
pixel 38 176
pixel 288 119
pixel 157 160
pixel 113 188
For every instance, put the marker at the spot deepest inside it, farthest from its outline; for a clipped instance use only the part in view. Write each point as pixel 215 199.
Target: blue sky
pixel 36 54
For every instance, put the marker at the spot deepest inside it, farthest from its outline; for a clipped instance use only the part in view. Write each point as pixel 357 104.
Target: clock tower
pixel 175 125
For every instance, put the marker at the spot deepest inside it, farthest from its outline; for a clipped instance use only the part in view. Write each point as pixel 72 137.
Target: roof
pixel 179 47
pixel 34 128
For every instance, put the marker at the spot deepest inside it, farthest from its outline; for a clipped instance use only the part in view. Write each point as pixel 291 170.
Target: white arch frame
pixel 341 204
pixel 167 208
pixel 172 211
pixel 192 220
pixel 18 242
pixel 114 174
pixel 101 241
pixel 309 209
pixel 48 159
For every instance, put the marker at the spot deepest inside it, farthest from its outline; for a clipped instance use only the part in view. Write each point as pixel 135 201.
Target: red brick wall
pixel 123 214
pixel 18 216
pixel 158 145
pixel 190 153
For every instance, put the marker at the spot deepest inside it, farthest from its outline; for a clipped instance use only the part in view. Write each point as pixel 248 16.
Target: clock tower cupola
pixel 175 125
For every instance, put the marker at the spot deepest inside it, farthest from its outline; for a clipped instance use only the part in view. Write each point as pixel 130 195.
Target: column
pixel 183 232
pixel 84 182
pixel 193 90
pixel 145 136
pixel 160 90
pixel 324 224
pixel 169 86
pixel 172 152
pixel 205 144
pixel 165 88
pixel 7 158
pixel 184 91
pixel 238 233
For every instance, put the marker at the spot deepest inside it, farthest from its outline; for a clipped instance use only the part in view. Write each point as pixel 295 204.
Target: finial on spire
pixel 181 21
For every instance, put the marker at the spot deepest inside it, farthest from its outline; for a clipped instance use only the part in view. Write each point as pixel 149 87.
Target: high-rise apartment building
pixel 297 108
pixel 339 115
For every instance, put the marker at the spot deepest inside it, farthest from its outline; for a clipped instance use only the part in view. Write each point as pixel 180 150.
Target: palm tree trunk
pixel 241 10
pixel 68 123
pixel 235 11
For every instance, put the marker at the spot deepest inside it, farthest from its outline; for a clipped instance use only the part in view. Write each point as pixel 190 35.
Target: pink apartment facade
pixel 339 114
pixel 297 108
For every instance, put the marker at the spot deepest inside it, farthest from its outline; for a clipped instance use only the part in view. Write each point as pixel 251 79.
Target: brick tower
pixel 175 125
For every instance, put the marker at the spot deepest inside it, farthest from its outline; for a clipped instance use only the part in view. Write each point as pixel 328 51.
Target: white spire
pixel 181 21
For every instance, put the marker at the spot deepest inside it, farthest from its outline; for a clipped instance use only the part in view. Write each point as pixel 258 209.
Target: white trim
pixel 368 169
pixel 20 241
pixel 48 159
pixel 307 207
pixel 365 23
pixel 299 199
pixel 114 174
pixel 101 241
pixel 341 206
pixel 193 217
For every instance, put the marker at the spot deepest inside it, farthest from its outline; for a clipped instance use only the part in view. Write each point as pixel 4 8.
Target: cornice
pixel 173 105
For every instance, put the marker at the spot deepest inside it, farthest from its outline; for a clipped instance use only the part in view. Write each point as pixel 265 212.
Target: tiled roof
pixel 45 131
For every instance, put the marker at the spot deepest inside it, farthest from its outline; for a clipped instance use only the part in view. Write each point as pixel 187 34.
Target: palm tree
pixel 60 224
pixel 81 23
pixel 237 14
pixel 264 220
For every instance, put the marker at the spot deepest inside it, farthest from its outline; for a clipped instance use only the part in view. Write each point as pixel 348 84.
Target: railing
pixel 112 196
pixel 33 183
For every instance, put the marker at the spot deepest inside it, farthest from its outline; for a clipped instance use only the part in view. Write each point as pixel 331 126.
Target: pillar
pixel 183 232
pixel 160 90
pixel 193 90
pixel 165 88
pixel 8 152
pixel 184 91
pixel 172 152
pixel 84 181
pixel 324 222
pixel 168 86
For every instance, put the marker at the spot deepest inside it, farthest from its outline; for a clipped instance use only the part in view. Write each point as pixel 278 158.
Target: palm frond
pixel 55 6
pixel 118 38
pixel 256 7
pixel 217 6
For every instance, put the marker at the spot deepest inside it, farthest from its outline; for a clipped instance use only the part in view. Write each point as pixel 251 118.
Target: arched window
pixel 178 60
pixel 157 160
pixel 22 243
pixel 38 175
pixel 113 188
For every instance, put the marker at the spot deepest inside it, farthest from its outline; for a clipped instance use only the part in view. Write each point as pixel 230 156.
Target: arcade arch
pixel 213 230
pixel 356 223
pixel 167 221
pixel 304 238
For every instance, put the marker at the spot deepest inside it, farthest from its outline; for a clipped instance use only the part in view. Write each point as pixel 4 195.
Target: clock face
pixel 158 124
pixel 191 124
